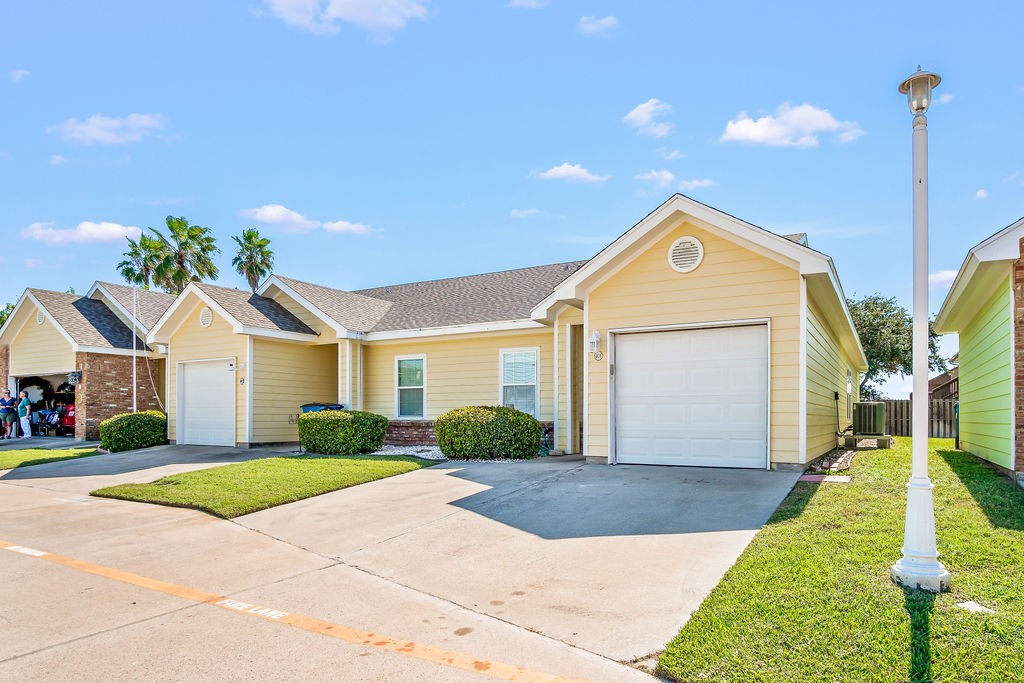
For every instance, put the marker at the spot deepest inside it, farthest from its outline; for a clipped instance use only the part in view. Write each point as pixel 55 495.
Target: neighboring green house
pixel 985 306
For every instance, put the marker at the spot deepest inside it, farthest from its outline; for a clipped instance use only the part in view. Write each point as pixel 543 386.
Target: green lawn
pixel 811 598
pixel 240 488
pixel 24 457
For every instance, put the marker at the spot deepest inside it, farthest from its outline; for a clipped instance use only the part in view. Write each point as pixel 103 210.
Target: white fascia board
pixel 110 300
pixel 1004 246
pixel 837 287
pixel 141 353
pixel 340 330
pixel 806 260
pixel 503 326
pixel 155 335
pixel 8 328
pixel 279 334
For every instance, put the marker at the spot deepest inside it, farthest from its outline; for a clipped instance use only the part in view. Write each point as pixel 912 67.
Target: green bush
pixel 488 433
pixel 128 431
pixel 342 432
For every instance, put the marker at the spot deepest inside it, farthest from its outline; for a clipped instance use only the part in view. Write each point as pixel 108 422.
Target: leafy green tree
pixel 5 313
pixel 886 333
pixel 141 260
pixel 254 259
pixel 187 255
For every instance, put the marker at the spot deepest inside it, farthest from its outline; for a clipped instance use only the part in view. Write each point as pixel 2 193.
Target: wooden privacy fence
pixel 941 418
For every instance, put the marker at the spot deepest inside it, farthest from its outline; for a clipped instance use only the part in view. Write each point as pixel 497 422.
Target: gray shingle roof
pixel 490 297
pixel 88 321
pixel 352 311
pixel 253 310
pixel 149 305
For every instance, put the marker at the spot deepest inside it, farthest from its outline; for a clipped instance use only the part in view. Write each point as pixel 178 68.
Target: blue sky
pixel 385 141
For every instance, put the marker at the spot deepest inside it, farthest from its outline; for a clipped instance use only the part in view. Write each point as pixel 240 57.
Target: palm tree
pixel 254 258
pixel 188 251
pixel 141 260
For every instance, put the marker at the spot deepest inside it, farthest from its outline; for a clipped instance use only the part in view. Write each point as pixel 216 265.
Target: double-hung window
pixel 519 379
pixel 410 386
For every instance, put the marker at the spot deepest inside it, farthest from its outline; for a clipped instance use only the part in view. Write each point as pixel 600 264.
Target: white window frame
pixel 418 356
pixel 535 350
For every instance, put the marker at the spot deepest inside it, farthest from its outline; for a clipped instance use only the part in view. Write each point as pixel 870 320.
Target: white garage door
pixel 692 397
pixel 208 403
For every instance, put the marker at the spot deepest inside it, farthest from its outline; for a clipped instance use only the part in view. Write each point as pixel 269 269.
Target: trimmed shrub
pixel 488 433
pixel 342 432
pixel 128 431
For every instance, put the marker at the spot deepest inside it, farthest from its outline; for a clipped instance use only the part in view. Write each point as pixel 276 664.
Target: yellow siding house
pixel 985 306
pixel 693 339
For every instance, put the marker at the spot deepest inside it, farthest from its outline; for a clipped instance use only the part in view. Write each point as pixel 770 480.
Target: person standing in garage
pixel 25 414
pixel 7 415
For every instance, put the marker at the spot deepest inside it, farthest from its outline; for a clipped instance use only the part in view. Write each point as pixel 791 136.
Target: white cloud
pixel 574 173
pixel 981 193
pixel 643 118
pixel 345 226
pixel 523 213
pixel 58 160
pixel 661 179
pixel 941 279
pixel 945 98
pixel 293 221
pixel 592 25
pixel 696 183
pixel 18 75
pixel 527 4
pixel 789 127
pixel 281 216
pixel 84 232
pixel 108 130
pixel 672 155
pixel 322 16
pixel 33 263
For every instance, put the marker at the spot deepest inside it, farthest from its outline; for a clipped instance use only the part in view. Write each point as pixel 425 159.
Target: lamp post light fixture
pixel 920 567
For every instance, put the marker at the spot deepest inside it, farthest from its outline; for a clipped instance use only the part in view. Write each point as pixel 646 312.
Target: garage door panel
pixel 692 397
pixel 208 403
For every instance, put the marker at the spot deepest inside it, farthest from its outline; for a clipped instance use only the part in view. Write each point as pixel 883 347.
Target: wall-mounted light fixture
pixel 594 345
pixel 74 378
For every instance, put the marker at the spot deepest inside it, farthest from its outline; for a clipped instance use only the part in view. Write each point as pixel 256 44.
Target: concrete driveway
pixel 560 567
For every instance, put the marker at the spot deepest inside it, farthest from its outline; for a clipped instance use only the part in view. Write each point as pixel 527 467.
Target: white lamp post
pixel 920 567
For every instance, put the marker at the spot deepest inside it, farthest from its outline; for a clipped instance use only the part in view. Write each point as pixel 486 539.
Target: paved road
pixel 463 571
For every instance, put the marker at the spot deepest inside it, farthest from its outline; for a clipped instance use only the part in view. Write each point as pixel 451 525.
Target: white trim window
pixel 410 386
pixel 517 378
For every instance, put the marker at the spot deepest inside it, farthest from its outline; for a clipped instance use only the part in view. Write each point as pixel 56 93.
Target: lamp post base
pixel 934 578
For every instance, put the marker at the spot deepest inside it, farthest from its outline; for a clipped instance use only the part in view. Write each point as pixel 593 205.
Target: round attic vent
pixel 205 316
pixel 40 317
pixel 685 254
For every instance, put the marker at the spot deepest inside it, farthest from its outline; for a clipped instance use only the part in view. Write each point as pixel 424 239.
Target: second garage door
pixel 208 403
pixel 692 397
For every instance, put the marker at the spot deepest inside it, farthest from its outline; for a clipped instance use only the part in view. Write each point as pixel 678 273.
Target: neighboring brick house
pixel 50 335
pixel 985 306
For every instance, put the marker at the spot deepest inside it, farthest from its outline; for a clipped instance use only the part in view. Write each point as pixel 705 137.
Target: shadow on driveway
pixel 556 500
pixel 133 461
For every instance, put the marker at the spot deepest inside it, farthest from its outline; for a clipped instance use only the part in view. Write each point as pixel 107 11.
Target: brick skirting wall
pixel 106 390
pixel 5 365
pixel 421 433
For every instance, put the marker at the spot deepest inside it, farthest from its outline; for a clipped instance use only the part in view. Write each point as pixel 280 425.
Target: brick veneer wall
pixel 106 390
pixel 1018 361
pixel 5 364
pixel 421 433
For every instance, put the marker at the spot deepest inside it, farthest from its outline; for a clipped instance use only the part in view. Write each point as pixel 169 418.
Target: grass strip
pixel 811 598
pixel 241 488
pixel 24 457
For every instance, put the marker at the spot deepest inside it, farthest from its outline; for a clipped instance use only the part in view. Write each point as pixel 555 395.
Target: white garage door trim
pixel 181 434
pixel 615 333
